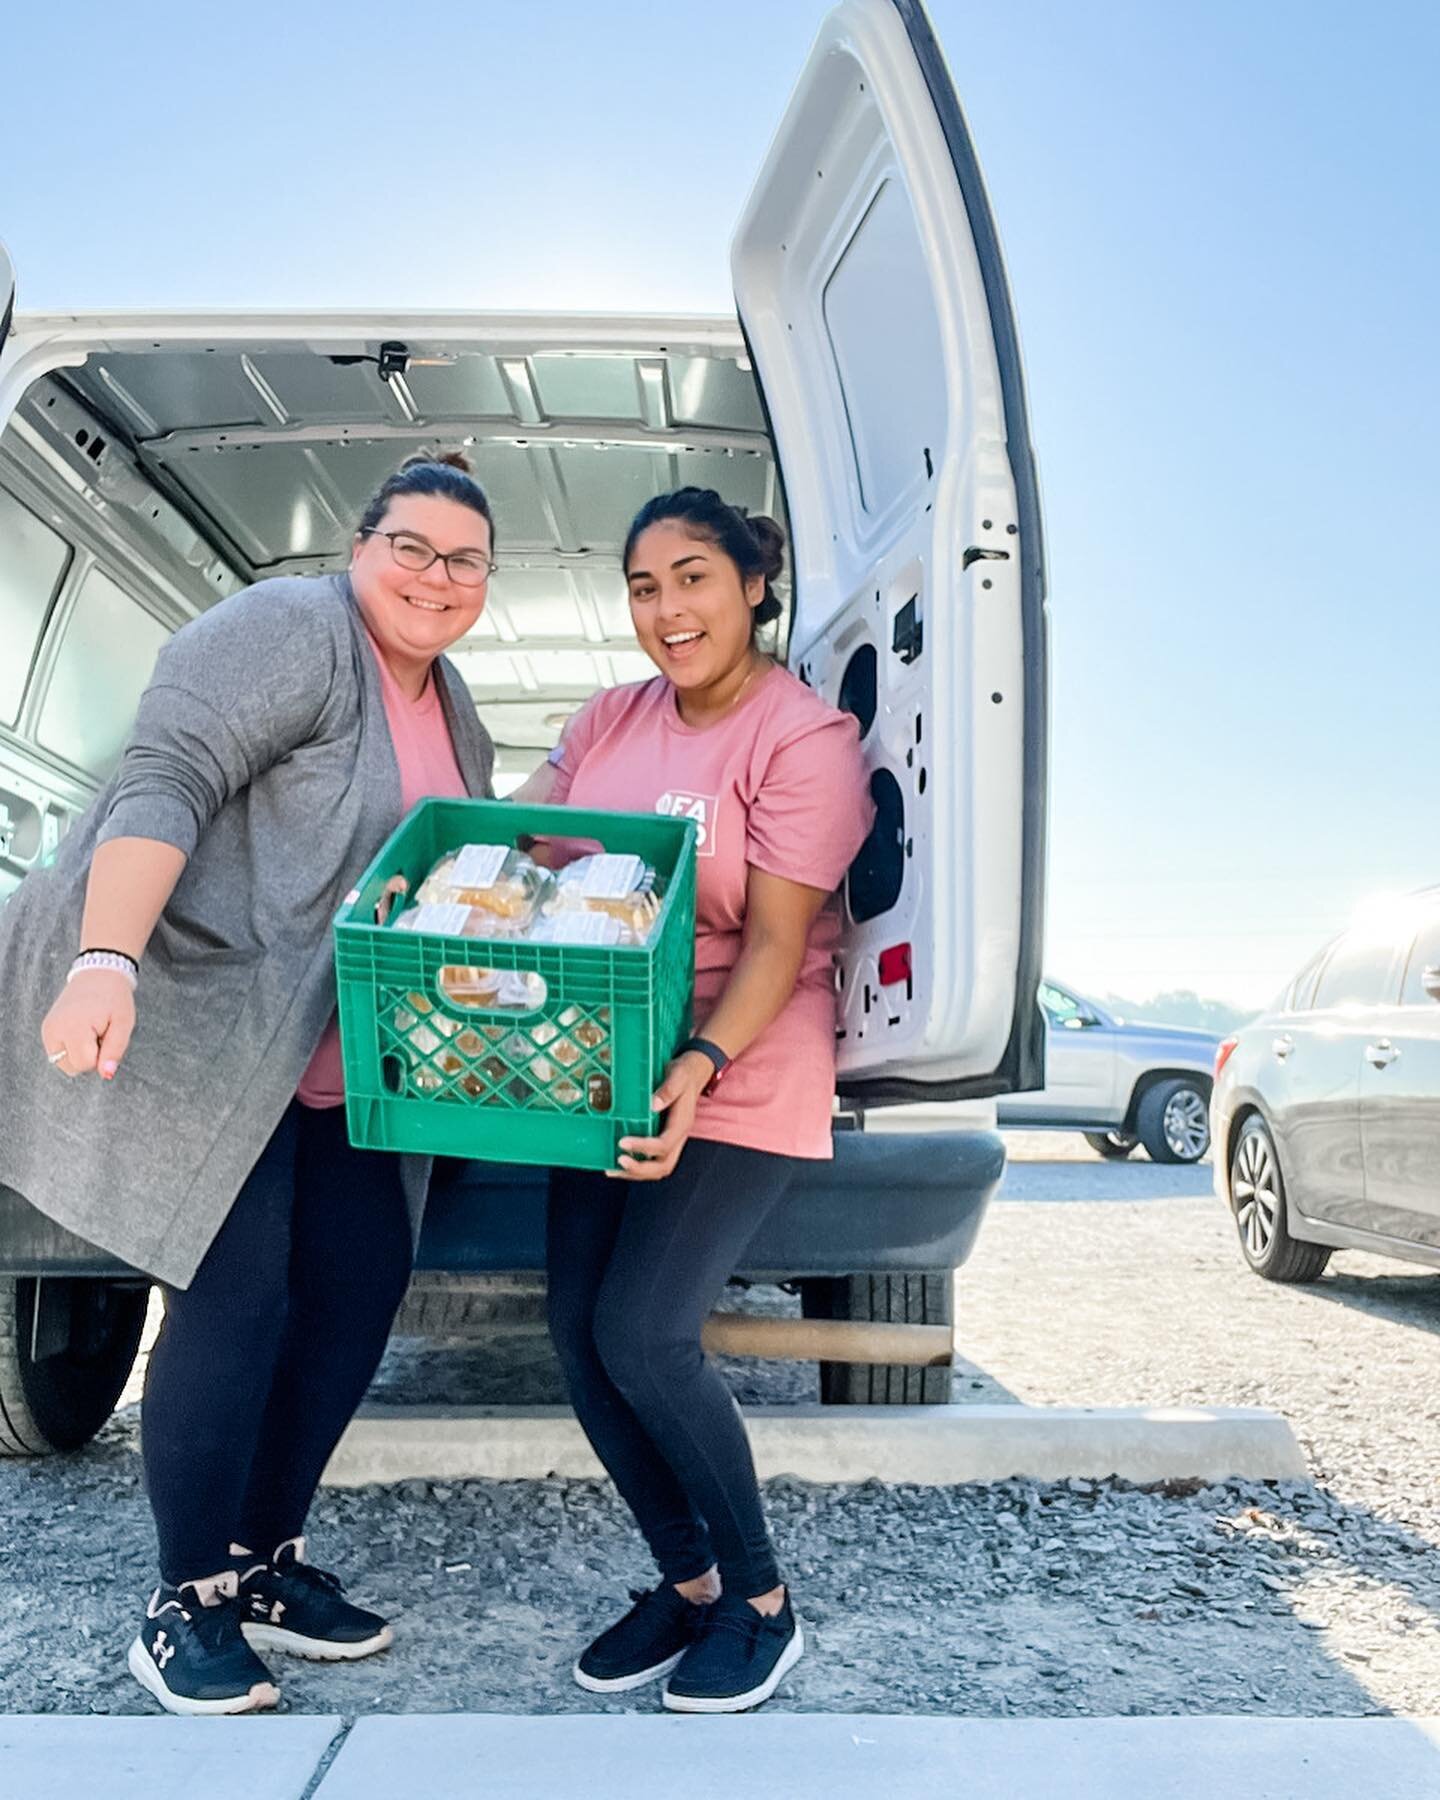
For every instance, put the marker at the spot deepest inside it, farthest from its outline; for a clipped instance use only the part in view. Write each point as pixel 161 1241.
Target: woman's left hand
pixel 652 1159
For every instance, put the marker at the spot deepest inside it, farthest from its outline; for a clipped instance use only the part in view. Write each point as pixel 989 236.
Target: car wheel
pixel 922 1299
pixel 1173 1121
pixel 1114 1146
pixel 1257 1192
pixel 58 1398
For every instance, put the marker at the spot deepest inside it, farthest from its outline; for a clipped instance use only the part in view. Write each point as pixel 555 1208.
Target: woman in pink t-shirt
pixel 774 779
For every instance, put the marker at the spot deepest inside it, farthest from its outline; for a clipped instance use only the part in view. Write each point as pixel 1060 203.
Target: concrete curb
pixel 929 1445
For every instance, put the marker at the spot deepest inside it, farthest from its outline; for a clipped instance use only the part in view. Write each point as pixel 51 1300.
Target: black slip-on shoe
pixel 292 1607
pixel 738 1660
pixel 646 1644
pixel 194 1658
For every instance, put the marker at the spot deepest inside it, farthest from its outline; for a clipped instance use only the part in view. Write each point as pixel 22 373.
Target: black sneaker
pixel 194 1658
pixel 291 1606
pixel 739 1659
pixel 646 1644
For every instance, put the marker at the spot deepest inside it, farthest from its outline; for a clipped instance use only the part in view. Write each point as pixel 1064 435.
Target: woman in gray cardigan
pixel 178 1102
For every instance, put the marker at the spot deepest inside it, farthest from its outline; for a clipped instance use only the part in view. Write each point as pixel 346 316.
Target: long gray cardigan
pixel 261 750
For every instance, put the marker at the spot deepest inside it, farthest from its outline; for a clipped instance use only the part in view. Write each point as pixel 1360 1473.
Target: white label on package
pixel 444 916
pixel 580 928
pixel 478 866
pixel 612 877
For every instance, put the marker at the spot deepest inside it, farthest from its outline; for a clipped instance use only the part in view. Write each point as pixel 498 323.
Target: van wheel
pixel 1257 1191
pixel 1172 1121
pixel 59 1384
pixel 922 1299
pixel 1114 1146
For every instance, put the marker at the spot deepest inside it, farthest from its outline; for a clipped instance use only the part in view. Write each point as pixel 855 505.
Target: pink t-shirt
pixel 427 767
pixel 779 784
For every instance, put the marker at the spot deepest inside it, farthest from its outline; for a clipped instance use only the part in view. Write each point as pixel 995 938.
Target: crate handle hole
pixel 514 991
pixel 396 888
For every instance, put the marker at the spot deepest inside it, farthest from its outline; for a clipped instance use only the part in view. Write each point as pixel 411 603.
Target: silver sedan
pixel 1326 1109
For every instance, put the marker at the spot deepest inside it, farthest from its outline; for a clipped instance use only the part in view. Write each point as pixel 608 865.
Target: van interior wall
pixel 185 487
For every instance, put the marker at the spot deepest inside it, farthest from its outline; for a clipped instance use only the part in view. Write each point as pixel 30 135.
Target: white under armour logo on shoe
pixel 275 1611
pixel 162 1649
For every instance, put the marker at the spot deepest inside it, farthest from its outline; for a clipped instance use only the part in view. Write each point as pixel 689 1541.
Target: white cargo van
pixel 869 392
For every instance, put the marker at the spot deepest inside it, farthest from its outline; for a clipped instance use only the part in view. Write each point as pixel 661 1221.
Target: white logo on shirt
pixel 699 807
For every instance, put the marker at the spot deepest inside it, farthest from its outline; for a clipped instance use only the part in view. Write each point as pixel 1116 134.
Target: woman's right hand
pixel 89 1026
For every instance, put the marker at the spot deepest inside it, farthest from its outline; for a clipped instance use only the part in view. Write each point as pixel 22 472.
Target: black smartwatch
pixel 716 1055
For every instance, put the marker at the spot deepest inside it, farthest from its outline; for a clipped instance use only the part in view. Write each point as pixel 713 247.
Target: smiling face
pixel 415 615
pixel 691 607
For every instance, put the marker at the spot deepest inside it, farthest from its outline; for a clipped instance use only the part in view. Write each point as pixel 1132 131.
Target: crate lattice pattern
pixel 557 1062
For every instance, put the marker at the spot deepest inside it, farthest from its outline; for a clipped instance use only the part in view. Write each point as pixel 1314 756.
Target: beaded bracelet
pixel 115 962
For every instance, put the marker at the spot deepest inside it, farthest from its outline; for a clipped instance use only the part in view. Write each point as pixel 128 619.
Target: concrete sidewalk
pixel 804 1756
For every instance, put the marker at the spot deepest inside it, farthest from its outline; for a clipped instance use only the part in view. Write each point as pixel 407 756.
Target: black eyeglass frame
pixel 435 556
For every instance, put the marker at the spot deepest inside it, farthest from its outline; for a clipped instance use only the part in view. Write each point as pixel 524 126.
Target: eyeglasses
pixel 466 568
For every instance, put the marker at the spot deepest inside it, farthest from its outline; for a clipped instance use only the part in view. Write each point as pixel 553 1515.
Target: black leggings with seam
pixel 263 1359
pixel 633 1270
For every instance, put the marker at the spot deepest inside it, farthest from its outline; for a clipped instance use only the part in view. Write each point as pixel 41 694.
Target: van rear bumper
pixel 887 1204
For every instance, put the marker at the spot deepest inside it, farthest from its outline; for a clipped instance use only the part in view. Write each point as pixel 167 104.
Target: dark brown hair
pixel 443 474
pixel 754 543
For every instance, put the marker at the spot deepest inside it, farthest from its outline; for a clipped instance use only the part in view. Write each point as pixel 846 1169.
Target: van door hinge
pixel 907 638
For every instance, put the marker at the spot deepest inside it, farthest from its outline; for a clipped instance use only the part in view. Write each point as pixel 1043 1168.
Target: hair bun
pixel 449 459
pixel 771 539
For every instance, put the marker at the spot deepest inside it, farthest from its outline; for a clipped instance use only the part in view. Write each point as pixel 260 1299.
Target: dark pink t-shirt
pixel 427 767
pixel 779 784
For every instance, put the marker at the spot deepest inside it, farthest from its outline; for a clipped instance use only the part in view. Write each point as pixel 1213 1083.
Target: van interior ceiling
pixel 203 467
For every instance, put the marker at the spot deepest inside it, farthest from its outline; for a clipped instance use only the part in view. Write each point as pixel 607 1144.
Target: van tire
pixel 926 1298
pixel 462 1307
pixel 57 1403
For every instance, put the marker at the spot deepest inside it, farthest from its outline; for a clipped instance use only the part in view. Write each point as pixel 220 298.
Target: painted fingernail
pixel 107 1071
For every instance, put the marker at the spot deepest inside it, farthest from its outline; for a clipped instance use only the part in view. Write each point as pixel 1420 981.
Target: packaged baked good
pixel 503 885
pixel 623 888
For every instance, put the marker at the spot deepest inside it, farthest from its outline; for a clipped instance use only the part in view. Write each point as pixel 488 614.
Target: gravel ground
pixel 1092 1283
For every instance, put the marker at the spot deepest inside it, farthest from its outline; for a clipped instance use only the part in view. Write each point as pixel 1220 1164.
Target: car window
pixel 1361 972
pixel 104 661
pixel 1060 1007
pixel 893 404
pixel 1301 990
pixel 31 571
pixel 1424 954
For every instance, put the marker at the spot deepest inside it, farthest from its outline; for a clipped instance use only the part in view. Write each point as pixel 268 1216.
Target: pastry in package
pixel 503 885
pixel 622 888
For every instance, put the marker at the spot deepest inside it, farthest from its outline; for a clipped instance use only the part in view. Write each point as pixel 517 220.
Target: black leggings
pixel 634 1269
pixel 263 1359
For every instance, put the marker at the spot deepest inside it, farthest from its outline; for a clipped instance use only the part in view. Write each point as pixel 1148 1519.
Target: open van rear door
pixel 870 285
pixel 7 295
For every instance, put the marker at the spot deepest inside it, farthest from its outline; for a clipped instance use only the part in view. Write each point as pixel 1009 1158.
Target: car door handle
pixel 1282 1046
pixel 1381 1055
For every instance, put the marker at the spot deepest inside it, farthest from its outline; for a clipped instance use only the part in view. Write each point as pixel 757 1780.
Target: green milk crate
pixel 560 1084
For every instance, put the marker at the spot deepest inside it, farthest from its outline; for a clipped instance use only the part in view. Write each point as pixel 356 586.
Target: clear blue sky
pixel 1220 224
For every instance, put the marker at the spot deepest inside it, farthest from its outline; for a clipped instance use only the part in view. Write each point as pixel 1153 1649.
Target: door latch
pixel 907 638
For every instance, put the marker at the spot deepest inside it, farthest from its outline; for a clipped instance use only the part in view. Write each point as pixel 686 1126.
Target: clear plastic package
pixel 622 888
pixel 504 886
